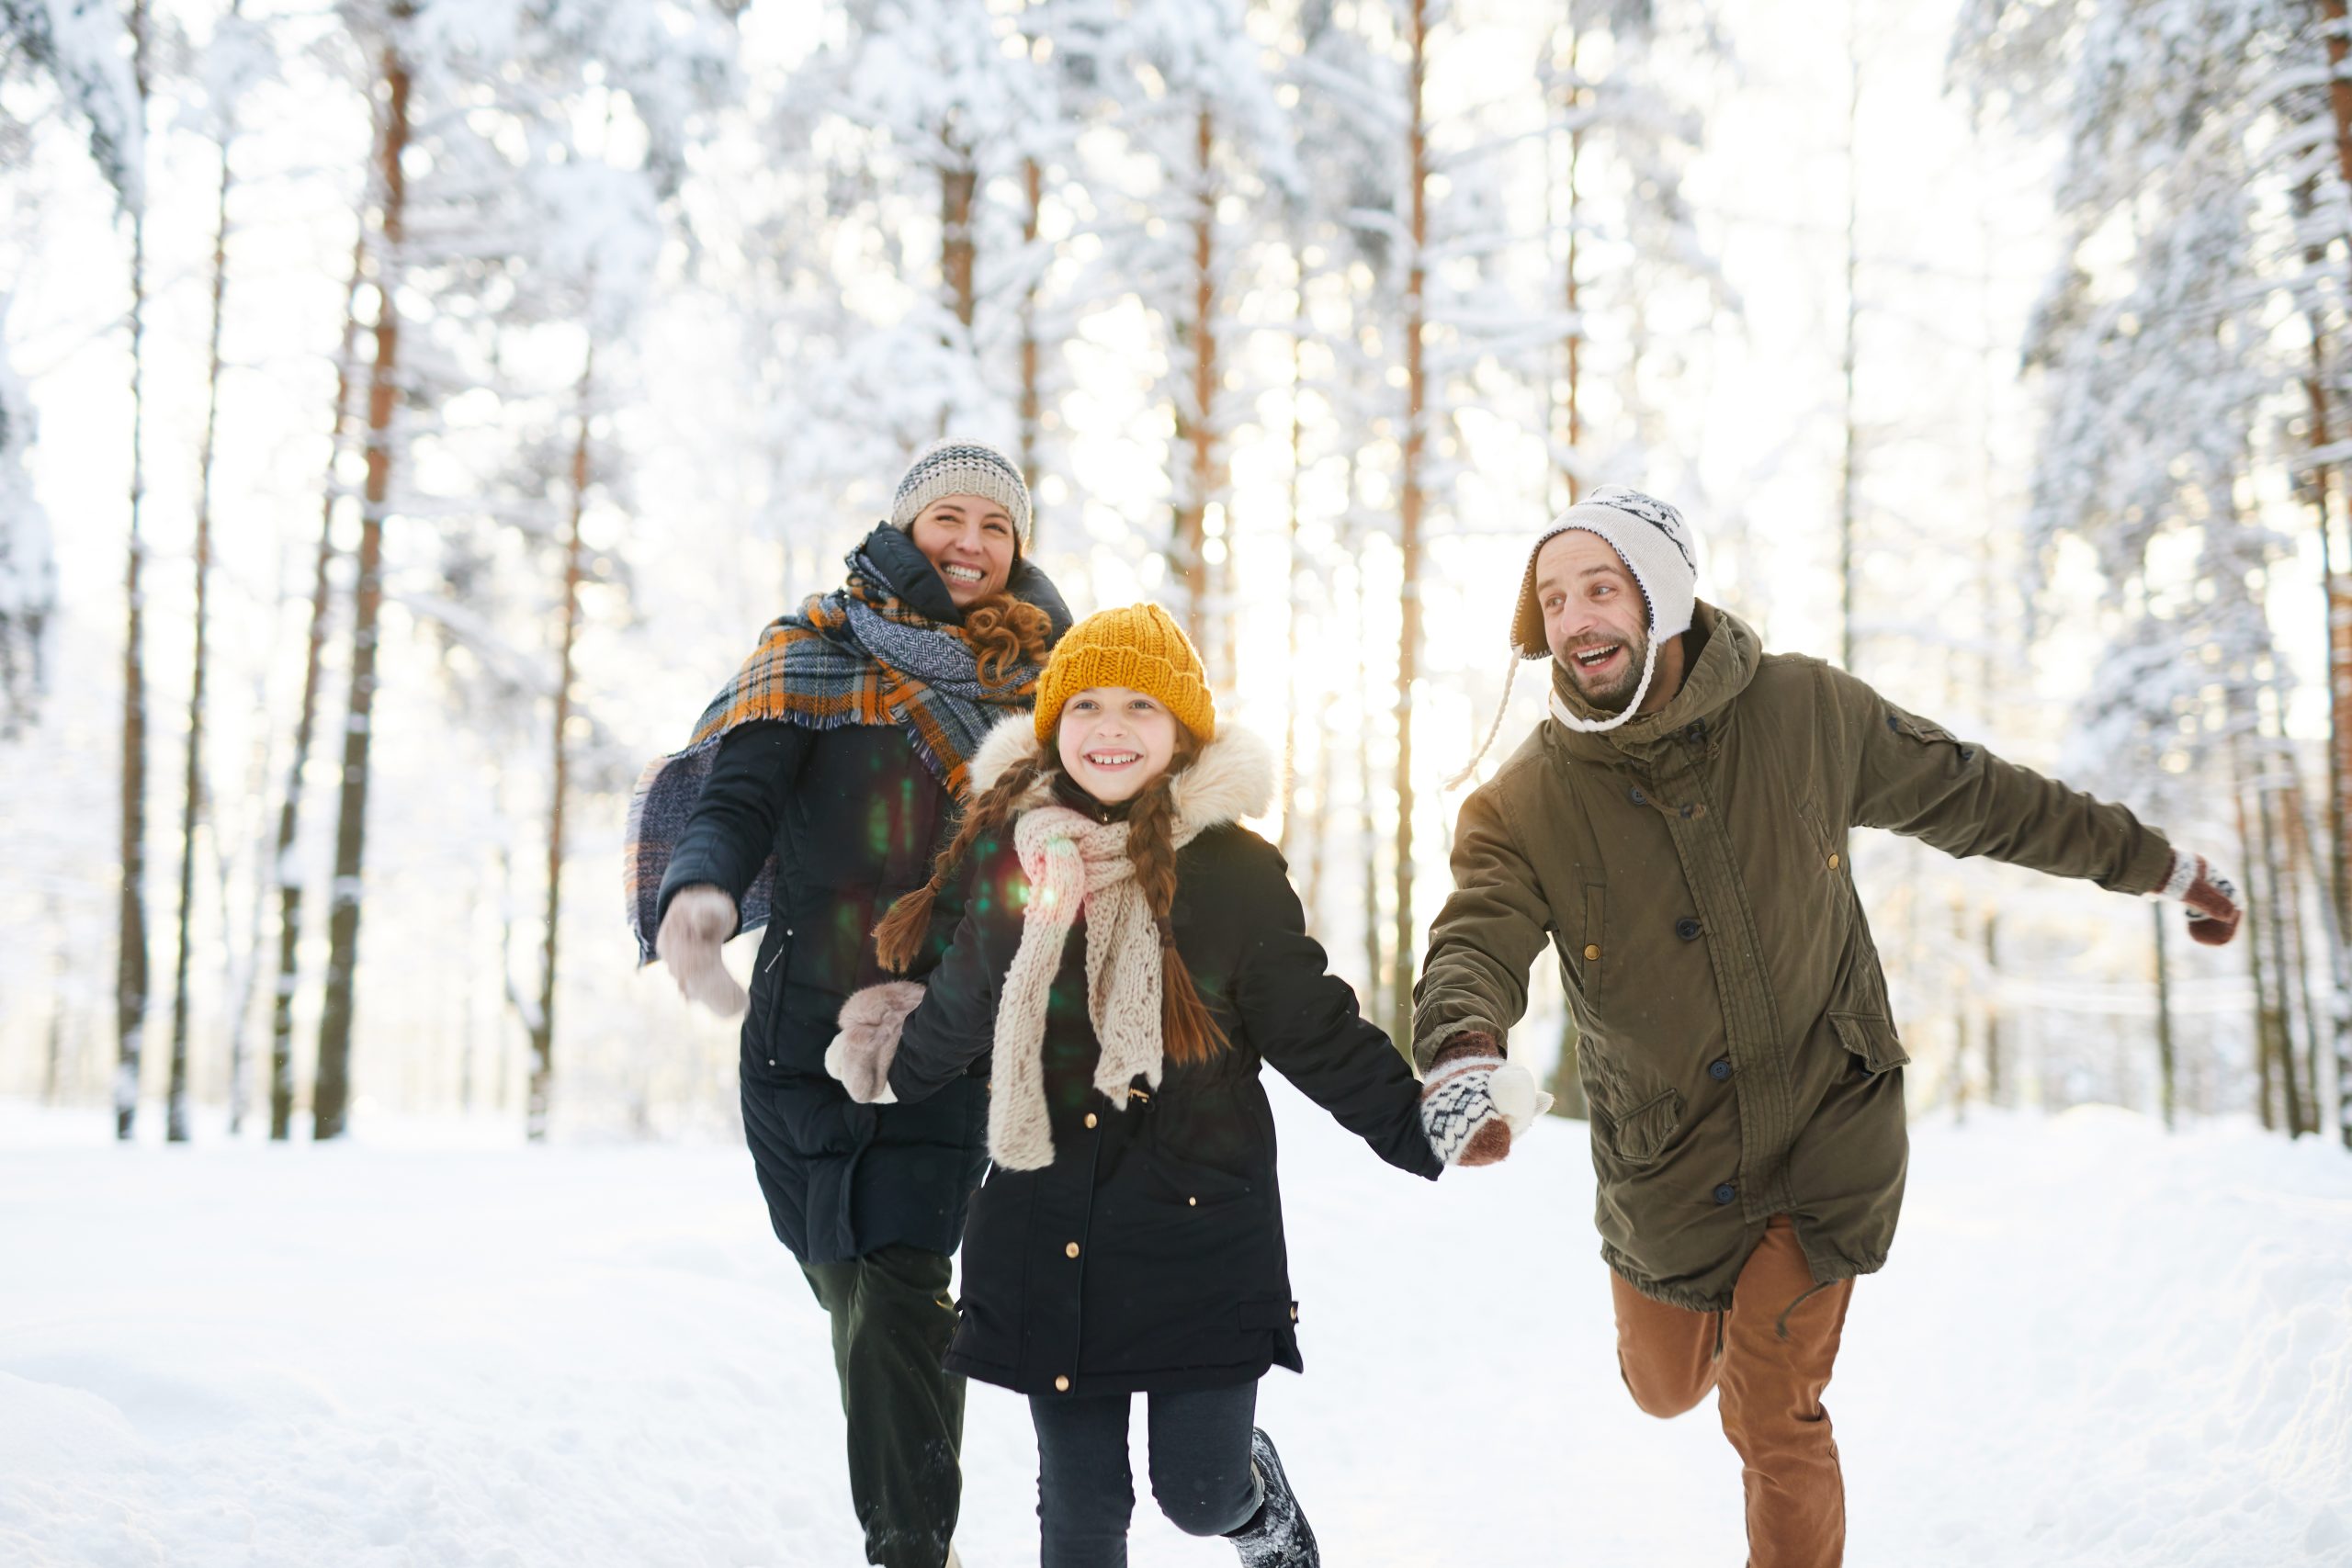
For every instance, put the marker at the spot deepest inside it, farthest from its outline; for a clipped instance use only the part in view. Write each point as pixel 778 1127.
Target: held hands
pixel 1474 1102
pixel 699 919
pixel 861 1054
pixel 2212 902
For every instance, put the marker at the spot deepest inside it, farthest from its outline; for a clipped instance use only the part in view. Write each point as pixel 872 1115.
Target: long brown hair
pixel 1006 634
pixel 1188 1033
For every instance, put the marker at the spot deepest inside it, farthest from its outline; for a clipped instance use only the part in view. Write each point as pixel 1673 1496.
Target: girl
pixel 821 782
pixel 1129 1238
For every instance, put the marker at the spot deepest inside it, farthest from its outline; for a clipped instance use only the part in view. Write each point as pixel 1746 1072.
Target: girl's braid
pixel 900 936
pixel 1188 1033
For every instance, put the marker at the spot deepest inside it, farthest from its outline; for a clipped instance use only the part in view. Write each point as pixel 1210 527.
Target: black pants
pixel 892 1320
pixel 1200 1469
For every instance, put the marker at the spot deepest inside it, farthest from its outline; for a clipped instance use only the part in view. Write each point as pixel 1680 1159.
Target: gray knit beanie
pixel 962 468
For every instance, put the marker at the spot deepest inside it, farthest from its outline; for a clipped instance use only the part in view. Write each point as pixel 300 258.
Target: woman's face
pixel 1114 741
pixel 969 541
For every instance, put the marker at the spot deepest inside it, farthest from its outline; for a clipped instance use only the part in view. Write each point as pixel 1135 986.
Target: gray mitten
pixel 700 920
pixel 861 1054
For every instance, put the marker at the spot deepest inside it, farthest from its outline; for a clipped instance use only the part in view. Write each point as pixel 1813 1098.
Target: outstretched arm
pixel 1304 1020
pixel 1474 980
pixel 726 841
pixel 1914 777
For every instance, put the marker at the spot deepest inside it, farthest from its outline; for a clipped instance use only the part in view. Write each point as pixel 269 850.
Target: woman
pixel 818 786
pixel 1130 1236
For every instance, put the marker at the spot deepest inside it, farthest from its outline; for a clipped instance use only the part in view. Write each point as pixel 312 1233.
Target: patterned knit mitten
pixel 861 1054
pixel 1474 1102
pixel 2212 902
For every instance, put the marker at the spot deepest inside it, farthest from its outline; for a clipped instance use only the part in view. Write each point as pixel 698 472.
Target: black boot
pixel 1278 1537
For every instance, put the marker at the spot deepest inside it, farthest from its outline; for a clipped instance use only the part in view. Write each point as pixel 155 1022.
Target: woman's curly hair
pixel 1007 634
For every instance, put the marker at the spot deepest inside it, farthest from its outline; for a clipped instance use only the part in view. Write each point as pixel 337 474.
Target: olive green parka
pixel 1690 867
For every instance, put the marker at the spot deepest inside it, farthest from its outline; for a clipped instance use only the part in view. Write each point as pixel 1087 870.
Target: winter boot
pixel 1278 1537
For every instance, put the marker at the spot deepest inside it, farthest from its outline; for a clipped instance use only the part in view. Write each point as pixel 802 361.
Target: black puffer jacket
pixel 1149 1254
pixel 853 818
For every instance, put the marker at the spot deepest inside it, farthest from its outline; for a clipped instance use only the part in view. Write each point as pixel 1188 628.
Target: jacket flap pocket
pixel 1872 1038
pixel 1918 728
pixel 1637 1135
pixel 1270 1312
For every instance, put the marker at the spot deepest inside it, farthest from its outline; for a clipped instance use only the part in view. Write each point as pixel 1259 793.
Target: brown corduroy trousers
pixel 1769 1358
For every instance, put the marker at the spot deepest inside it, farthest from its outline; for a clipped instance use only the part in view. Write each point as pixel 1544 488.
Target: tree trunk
pixel 2256 921
pixel 958 184
pixel 131 929
pixel 2339 608
pixel 53 1069
pixel 284 867
pixel 1375 972
pixel 2166 1078
pixel 1196 443
pixel 2281 919
pixel 192 780
pixel 1572 300
pixel 1033 400
pixel 543 1024
pixel 1288 839
pixel 1408 512
pixel 2292 854
pixel 1993 1085
pixel 330 1098
pixel 240 978
pixel 1849 419
pixel 1566 1086
pixel 2339 620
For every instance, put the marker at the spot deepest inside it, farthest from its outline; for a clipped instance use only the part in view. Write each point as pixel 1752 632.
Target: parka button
pixel 1090 1119
pixel 1725 1194
pixel 1061 1385
pixel 1636 796
pixel 1071 1249
pixel 1592 951
pixel 1720 1069
pixel 1687 929
pixel 1833 863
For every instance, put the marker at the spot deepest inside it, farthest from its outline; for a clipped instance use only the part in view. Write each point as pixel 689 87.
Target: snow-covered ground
pixel 2096 1345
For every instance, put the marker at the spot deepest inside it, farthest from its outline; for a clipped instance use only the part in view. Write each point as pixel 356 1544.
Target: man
pixel 1677 830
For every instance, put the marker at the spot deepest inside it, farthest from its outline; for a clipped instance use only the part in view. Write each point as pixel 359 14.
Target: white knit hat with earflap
pixel 1656 545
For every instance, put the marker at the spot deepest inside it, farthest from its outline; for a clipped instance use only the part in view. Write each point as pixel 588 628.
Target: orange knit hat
pixel 1140 648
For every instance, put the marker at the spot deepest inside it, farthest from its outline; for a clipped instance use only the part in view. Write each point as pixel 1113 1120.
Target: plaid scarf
pixel 859 655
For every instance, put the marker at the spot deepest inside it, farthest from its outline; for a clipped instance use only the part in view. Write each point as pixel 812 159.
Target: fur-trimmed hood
pixel 1232 778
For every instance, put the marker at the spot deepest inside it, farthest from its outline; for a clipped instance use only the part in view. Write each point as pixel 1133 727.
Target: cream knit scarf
pixel 1076 864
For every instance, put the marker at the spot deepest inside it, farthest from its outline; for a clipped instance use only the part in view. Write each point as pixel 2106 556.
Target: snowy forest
pixel 411 410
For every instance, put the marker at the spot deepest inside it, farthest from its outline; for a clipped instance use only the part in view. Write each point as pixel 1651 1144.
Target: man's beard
pixel 1615 693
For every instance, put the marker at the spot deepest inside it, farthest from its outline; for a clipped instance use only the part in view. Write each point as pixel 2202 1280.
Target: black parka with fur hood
pixel 1149 1253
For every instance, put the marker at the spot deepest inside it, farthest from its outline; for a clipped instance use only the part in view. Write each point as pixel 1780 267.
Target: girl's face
pixel 1114 741
pixel 968 540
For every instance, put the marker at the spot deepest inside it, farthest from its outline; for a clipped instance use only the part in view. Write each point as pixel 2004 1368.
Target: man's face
pixel 1595 619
